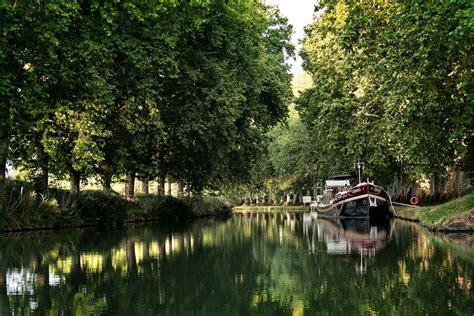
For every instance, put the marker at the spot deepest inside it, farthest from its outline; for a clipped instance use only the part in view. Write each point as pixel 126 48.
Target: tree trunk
pixel 160 155
pixel 161 185
pixel 168 189
pixel 248 199
pixel 460 183
pixel 4 140
pixel 106 174
pixel 270 195
pixel 75 181
pixel 157 187
pixel 456 188
pixel 130 185
pixel 42 171
pixel 145 187
pixel 435 185
pixel 180 188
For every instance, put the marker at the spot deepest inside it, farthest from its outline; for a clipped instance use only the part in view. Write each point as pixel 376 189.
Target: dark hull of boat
pixel 362 208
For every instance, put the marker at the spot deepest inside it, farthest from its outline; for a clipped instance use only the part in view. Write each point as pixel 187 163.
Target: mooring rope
pixel 391 204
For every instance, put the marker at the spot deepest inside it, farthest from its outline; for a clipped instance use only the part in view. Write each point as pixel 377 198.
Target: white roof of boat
pixel 337 183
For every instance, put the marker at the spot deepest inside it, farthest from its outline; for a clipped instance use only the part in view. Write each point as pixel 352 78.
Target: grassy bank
pixel 454 215
pixel 21 209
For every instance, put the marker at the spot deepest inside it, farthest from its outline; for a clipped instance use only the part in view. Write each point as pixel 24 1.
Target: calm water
pixel 266 264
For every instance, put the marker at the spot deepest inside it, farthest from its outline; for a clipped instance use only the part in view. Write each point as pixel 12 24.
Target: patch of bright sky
pixel 299 14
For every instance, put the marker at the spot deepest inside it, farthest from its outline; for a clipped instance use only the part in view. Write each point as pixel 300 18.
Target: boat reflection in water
pixel 361 237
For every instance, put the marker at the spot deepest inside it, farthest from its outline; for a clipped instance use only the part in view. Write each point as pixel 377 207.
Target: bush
pixel 22 208
pixel 101 208
pixel 171 208
pixel 164 207
pixel 207 206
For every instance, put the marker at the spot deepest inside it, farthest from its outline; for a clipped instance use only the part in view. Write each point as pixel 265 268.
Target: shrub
pixel 22 208
pixel 207 206
pixel 164 207
pixel 101 208
pixel 173 209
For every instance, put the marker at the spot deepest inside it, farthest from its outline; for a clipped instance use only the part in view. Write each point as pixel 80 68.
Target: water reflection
pixel 354 236
pixel 351 236
pixel 254 263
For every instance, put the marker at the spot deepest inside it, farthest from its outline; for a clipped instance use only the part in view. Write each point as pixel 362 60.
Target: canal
pixel 251 263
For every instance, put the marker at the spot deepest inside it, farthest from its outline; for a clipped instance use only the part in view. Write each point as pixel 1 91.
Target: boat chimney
pixel 359 171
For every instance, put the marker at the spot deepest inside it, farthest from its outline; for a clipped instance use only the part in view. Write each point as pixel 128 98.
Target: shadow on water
pixel 253 263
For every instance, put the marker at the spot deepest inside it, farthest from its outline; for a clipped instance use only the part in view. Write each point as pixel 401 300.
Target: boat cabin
pixel 333 188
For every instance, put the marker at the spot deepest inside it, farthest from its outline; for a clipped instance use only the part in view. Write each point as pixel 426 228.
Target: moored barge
pixel 364 200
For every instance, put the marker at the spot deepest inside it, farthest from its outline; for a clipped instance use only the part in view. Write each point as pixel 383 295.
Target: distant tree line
pixel 180 90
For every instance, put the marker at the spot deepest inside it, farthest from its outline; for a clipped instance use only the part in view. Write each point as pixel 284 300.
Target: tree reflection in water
pixel 263 263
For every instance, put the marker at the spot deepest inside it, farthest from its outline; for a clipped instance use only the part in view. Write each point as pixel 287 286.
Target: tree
pixel 232 86
pixel 390 85
pixel 178 90
pixel 30 46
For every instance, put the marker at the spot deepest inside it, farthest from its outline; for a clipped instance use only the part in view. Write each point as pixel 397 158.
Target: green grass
pixel 437 216
pixel 408 213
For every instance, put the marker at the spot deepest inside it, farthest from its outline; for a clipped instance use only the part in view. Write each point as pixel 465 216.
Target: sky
pixel 299 14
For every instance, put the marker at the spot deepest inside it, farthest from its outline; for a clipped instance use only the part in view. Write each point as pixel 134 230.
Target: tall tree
pixel 391 83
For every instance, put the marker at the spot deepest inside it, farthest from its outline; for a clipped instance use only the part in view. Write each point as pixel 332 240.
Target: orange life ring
pixel 414 200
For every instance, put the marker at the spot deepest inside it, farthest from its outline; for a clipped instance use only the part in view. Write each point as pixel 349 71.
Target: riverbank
pixel 21 209
pixel 455 215
pixel 299 208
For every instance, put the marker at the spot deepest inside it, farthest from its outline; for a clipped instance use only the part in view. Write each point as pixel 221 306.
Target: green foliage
pixel 20 208
pixel 291 154
pixel 96 207
pixel 164 207
pixel 207 206
pixel 232 86
pixel 172 209
pixel 183 90
pixel 390 86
